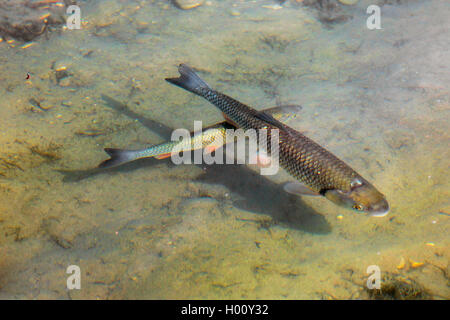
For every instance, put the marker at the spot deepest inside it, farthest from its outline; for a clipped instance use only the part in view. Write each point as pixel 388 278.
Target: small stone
pixel 398 139
pixel 188 4
pixel 66 103
pixel 348 2
pixel 46 105
pixel 86 52
pixel 205 204
pixel 61 68
pixel 62 65
pixel 235 13
pixel 66 82
pixel 273 6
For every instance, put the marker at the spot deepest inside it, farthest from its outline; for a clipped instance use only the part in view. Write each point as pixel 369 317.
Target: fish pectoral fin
pixel 211 148
pixel 299 189
pixel 227 119
pixel 261 160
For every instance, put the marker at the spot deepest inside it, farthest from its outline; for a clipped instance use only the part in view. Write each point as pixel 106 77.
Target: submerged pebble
pixel 401 264
pixel 205 204
pixel 273 6
pixel 61 68
pixel 86 52
pixel 235 12
pixel 348 2
pixel 188 4
pixel 61 65
pixel 398 139
pixel 65 82
pixel 66 103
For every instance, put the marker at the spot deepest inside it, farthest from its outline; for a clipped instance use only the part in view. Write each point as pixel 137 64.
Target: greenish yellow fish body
pixel 211 138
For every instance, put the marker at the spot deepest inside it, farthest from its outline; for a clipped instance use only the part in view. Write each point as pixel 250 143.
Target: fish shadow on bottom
pixel 259 194
pixel 78 175
pixel 263 196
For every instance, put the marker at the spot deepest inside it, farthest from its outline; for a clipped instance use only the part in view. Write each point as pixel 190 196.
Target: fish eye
pixel 355 183
pixel 358 207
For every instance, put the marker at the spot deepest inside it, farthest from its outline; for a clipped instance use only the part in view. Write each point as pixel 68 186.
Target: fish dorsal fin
pixel 272 121
pixel 266 117
pixel 284 113
pixel 260 159
pixel 228 120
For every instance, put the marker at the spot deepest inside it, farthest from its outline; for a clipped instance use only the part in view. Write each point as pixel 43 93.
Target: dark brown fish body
pixel 303 158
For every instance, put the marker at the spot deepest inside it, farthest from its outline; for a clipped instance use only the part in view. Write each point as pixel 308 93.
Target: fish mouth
pixel 380 210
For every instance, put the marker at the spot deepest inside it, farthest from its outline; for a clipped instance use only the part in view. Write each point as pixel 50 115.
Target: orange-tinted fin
pixel 163 156
pixel 261 160
pixel 229 120
pixel 210 149
pixel 264 161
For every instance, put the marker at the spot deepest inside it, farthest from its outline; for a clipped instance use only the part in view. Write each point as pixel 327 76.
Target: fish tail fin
pixel 118 157
pixel 188 80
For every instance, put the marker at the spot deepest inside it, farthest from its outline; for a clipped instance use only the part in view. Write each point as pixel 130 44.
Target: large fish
pixel 317 170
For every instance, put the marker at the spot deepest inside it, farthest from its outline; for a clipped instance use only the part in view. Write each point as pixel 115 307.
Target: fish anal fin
pixel 163 156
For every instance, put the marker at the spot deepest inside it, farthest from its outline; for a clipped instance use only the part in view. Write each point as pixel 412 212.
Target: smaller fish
pixel 205 139
pixel 210 139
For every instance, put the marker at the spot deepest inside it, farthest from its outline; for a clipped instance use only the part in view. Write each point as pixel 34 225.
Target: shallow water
pixel 378 99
